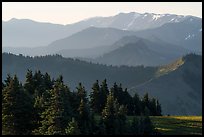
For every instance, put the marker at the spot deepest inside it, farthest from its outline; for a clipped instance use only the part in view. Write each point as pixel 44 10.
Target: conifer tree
pixel 136 105
pixel 145 104
pixel 152 107
pixel 44 106
pixel 148 126
pixel 47 82
pixel 115 91
pixel 121 117
pixel 101 127
pixel 110 115
pixel 95 98
pixel 29 83
pixel 30 89
pixel 75 101
pixel 8 79
pixel 38 80
pixel 146 100
pixel 73 128
pixel 57 115
pixel 3 85
pixel 16 109
pixel 127 100
pixel 42 85
pixel 81 92
pixel 103 94
pixel 135 128
pixel 84 118
pixel 158 109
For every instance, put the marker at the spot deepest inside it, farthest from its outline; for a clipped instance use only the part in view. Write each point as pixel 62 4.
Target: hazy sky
pixel 70 12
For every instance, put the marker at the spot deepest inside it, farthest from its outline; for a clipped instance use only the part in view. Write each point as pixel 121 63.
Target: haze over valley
pixel 157 56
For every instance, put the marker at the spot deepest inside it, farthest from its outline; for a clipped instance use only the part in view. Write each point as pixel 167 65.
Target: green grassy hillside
pixel 174 125
pixel 177 125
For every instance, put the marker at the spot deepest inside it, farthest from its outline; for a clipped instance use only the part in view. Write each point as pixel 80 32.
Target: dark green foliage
pixel 16 109
pixel 121 117
pixel 29 83
pixel 123 97
pixel 95 98
pixel 74 70
pixel 39 92
pixel 109 115
pixel 150 106
pixel 153 107
pixel 3 85
pixel 56 116
pixel 81 92
pixel 74 100
pixel 101 127
pixel 135 128
pixel 103 94
pixel 72 128
pixel 147 126
pixel 85 116
pixel 8 79
pixel 47 107
pixel 114 116
pixel 146 100
pixel 158 109
pixel 136 105
pixel 142 126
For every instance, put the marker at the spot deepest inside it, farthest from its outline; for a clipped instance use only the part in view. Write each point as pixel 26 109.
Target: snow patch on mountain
pixel 157 16
pixel 189 36
pixel 172 20
pixel 136 15
pixel 145 15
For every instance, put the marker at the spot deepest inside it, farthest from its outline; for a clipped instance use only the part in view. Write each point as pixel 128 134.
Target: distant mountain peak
pixel 12 19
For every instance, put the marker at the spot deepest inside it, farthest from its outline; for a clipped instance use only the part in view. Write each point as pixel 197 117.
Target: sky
pixel 71 12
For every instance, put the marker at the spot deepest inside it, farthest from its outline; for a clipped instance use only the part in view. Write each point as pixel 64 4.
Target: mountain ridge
pixel 42 37
pixel 174 89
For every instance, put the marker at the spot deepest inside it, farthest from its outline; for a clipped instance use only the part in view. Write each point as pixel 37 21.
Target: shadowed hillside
pixel 178 86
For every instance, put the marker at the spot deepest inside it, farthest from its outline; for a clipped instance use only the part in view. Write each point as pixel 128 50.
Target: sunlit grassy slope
pixel 170 67
pixel 178 125
pixel 174 125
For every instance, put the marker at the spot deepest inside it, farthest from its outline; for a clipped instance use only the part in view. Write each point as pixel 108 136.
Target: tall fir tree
pixel 110 115
pixel 103 94
pixel 152 107
pixel 81 92
pixel 121 117
pixel 52 105
pixel 84 118
pixel 95 98
pixel 136 105
pixel 145 104
pixel 135 128
pixel 42 85
pixel 57 115
pixel 29 83
pixel 7 80
pixel 158 108
pixel 16 109
pixel 148 126
pixel 73 128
